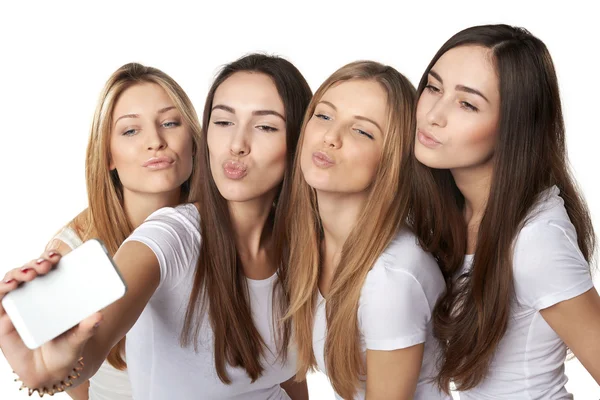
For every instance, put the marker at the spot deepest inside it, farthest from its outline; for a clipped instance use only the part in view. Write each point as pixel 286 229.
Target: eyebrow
pixel 359 117
pixel 161 111
pixel 257 112
pixel 461 88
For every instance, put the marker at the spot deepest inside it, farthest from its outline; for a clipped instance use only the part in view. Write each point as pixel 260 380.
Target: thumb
pixel 79 335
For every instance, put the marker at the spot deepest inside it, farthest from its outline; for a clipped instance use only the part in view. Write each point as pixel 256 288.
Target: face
pixel 459 110
pixel 247 137
pixel 150 144
pixel 343 139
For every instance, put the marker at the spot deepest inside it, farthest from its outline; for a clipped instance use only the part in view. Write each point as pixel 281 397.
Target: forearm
pixel 296 390
pixel 80 392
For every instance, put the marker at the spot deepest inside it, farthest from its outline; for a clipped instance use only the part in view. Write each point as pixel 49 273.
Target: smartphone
pixel 83 282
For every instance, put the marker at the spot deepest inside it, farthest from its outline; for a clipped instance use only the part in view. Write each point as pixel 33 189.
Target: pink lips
pixel 235 169
pixel 322 160
pixel 157 163
pixel 427 139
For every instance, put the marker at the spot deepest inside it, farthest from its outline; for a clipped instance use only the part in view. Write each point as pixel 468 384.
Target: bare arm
pixel 80 392
pixel 296 390
pixel 52 362
pixel 577 322
pixel 139 268
pixel 393 375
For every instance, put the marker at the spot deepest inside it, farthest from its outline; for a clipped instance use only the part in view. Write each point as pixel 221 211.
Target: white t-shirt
pixel 394 310
pixel 548 268
pixel 108 383
pixel 159 368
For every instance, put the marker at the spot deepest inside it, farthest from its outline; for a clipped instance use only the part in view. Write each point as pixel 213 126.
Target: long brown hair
pixel 382 217
pixel 105 218
pixel 220 285
pixel 530 156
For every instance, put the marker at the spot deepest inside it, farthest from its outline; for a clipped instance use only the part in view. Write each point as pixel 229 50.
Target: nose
pixel 155 140
pixel 240 143
pixel 332 137
pixel 437 114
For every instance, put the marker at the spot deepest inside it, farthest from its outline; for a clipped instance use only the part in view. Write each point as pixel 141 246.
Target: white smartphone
pixel 83 282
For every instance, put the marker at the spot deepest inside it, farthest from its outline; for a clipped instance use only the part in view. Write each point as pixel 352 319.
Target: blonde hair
pixel 384 214
pixel 105 218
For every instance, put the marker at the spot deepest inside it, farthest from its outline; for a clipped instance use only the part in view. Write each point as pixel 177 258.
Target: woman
pixel 491 138
pixel 140 109
pixel 361 289
pixel 203 279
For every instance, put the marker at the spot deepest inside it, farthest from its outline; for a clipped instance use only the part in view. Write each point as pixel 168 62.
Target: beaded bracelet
pixel 61 387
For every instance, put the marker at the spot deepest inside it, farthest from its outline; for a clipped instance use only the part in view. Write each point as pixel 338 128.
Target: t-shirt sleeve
pixel 548 265
pixel 173 235
pixel 394 311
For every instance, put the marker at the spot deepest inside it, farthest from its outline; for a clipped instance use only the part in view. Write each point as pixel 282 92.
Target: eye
pixel 429 87
pixel 171 124
pixel 267 128
pixel 129 132
pixel 468 106
pixel 367 134
pixel 223 123
pixel 323 117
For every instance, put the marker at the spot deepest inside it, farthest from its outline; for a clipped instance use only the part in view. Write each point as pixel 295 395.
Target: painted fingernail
pixel 40 260
pixel 25 269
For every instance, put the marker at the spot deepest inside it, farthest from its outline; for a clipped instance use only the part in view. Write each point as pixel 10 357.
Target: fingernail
pixel 96 325
pixel 40 260
pixel 25 269
pixel 52 254
pixel 8 281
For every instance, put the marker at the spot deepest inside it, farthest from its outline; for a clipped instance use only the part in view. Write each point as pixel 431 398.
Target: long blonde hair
pixel 105 218
pixel 384 214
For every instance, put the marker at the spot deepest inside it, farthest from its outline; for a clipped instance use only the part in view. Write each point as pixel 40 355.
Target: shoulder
pixel 548 266
pixel 185 216
pixel 404 263
pixel 548 228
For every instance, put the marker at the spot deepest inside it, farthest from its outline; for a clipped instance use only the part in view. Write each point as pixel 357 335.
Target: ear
pixel 111 164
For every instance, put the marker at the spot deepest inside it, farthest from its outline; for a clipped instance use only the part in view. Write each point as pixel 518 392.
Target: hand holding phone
pixel 44 300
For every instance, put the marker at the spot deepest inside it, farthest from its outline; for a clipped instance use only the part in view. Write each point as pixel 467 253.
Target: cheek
pixel 216 146
pixel 121 154
pixel 274 154
pixel 369 161
pixel 478 139
pixel 311 142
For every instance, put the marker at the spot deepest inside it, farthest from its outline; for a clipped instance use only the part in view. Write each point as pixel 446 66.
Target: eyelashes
pixel 264 128
pixel 465 105
pixel 359 131
pixel 166 125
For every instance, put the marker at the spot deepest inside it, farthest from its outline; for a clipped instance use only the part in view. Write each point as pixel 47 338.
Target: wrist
pixel 55 386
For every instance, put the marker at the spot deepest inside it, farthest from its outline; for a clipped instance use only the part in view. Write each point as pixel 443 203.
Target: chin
pixel 428 159
pixel 239 196
pixel 320 184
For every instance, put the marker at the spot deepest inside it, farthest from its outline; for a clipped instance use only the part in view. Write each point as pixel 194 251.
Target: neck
pixel 249 220
pixel 474 183
pixel 138 206
pixel 339 214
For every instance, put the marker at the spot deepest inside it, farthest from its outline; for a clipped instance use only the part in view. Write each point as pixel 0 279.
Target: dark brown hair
pixel 530 156
pixel 220 285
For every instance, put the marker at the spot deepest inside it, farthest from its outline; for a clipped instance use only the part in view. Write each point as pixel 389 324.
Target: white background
pixel 56 56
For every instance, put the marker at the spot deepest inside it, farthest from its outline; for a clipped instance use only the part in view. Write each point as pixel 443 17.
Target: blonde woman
pixel 362 290
pixel 141 111
pixel 204 302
